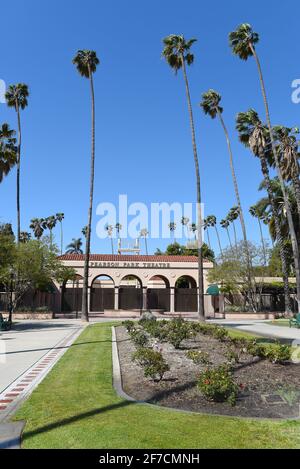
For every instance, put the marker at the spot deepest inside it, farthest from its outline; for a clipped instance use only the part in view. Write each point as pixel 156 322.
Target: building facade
pixel 136 282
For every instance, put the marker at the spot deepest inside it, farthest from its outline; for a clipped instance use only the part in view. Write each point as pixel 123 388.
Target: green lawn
pixel 280 322
pixel 76 407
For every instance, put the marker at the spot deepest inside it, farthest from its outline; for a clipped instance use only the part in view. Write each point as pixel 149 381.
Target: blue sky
pixel 143 145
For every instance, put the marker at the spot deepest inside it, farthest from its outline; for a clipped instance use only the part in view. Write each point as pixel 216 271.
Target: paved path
pixel 264 328
pixel 27 343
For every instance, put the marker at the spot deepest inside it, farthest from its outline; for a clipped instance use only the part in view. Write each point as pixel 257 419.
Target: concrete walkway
pixel 27 343
pixel 265 328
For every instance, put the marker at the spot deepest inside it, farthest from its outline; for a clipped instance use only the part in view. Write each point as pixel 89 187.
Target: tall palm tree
pixel 50 223
pixel 16 97
pixel 256 213
pixel 212 222
pixel 253 134
pixel 86 62
pixel 206 226
pixel 211 105
pixel 177 54
pixel 225 223
pixel 143 234
pixel 37 225
pixel 75 247
pixel 8 150
pixel 172 227
pixel 243 43
pixel 289 156
pixel 60 217
pixel 110 229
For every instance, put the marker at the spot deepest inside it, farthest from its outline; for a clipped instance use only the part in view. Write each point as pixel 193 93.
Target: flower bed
pixel 209 372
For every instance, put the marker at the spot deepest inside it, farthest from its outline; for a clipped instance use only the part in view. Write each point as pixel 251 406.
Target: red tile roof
pixel 127 258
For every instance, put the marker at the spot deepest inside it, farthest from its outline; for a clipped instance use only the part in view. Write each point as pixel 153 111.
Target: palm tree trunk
pixel 18 173
pixel 208 239
pixel 61 238
pixel 296 186
pixel 146 246
pixel 234 232
pixel 285 276
pixel 283 188
pixel 262 242
pixel 229 239
pixel 219 241
pixel 241 214
pixel 201 311
pixel 85 306
pixel 112 245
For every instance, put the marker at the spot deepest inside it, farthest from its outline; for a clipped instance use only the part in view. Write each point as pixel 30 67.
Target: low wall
pixel 257 316
pixel 30 315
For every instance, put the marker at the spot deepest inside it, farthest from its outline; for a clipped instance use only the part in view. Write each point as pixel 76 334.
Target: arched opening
pixel 186 298
pixel 72 295
pixel 158 293
pixel 102 294
pixel 130 293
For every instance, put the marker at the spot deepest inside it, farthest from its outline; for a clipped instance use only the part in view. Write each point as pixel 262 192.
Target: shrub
pixel 129 325
pixel 177 331
pixel 220 333
pixel 255 349
pixel 217 384
pixel 278 353
pixel 198 357
pixel 157 329
pixel 232 355
pixel 153 363
pixel 139 338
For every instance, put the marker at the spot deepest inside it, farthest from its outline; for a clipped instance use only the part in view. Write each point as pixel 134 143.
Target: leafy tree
pixel 177 52
pixel 176 249
pixel 86 62
pixel 16 97
pixel 231 272
pixel 27 266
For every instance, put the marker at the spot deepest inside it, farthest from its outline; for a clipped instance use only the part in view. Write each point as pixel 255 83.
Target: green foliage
pixel 153 363
pixel 278 353
pixel 139 337
pixel 129 325
pixel 198 357
pixel 217 384
pixel 178 330
pixel 176 249
pixel 232 355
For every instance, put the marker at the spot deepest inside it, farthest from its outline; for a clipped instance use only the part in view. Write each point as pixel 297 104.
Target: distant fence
pixel 33 300
pixel 266 302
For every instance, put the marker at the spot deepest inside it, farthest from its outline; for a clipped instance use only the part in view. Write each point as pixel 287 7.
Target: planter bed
pixel 268 390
